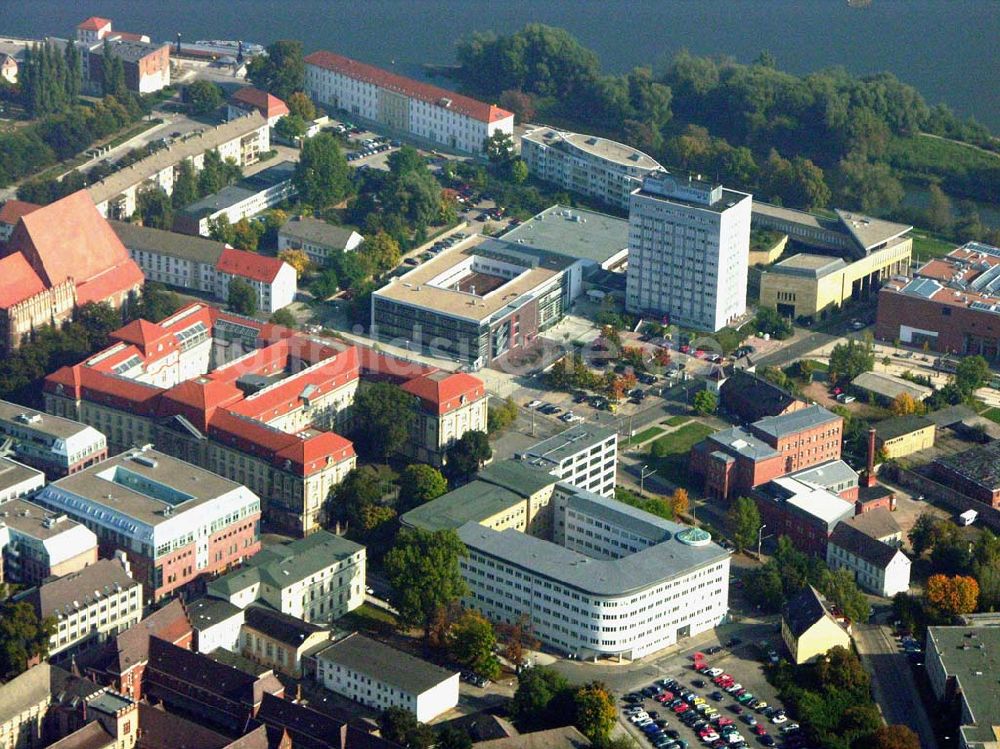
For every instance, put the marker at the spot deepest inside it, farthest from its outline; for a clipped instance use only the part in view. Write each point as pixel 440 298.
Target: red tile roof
pixel 12 210
pixel 249 265
pixel 112 285
pixel 131 647
pixel 407 86
pixel 130 36
pixel 268 105
pixel 145 335
pixel 18 281
pixel 197 400
pixel 311 454
pixel 94 23
pixel 442 392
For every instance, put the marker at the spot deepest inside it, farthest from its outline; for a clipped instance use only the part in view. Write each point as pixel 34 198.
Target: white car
pixel 735 738
pixel 708 738
pixel 639 716
pixel 713 672
pixel 779 719
pixel 647 721
pixel 534 404
pixel 734 688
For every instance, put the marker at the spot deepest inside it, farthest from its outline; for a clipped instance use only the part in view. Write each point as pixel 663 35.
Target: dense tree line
pixel 797 140
pixel 50 79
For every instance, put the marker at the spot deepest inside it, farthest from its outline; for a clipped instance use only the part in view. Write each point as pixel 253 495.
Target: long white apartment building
pixel 600 579
pixel 585 456
pixel 586 164
pixel 242 140
pixel 688 251
pixel 381 677
pixel 405 105
pixel 50 443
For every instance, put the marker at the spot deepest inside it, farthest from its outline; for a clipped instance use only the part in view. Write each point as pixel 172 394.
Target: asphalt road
pixel 893 686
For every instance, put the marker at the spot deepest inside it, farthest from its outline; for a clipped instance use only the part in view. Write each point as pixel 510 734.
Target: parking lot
pixel 726 702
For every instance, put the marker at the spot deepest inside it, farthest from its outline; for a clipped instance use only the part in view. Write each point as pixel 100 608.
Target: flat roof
pixel 981 465
pixel 812 500
pixel 519 478
pixel 566 444
pixel 604 577
pixel 183 246
pixel 385 664
pixel 413 288
pixel 39 421
pixel 123 179
pixel 472 502
pixel 889 386
pixel 971 655
pixel 204 613
pixel 13 473
pixel 870 232
pixel 36 521
pixel 739 440
pixel 604 148
pixel 184 481
pixel 793 216
pixel 827 474
pixel 219 201
pixel 729 199
pixel 575 233
pixel 805 264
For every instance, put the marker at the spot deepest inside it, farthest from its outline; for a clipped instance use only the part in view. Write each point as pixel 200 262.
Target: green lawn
pixel 925 247
pixel 993 414
pixel 818 366
pixel 676 421
pixel 368 618
pixel 645 434
pixel 669 454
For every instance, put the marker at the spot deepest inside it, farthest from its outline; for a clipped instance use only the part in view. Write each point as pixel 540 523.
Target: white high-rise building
pixel 688 250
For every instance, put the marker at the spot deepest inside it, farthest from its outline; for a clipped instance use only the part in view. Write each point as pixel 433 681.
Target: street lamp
pixel 759 539
pixel 642 479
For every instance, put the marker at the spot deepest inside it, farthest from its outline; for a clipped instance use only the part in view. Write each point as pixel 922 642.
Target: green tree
pixel 22 636
pixel 246 234
pixel 325 284
pixel 595 711
pixel 500 415
pixel 973 372
pixel 383 416
pixel 217 173
pixel 420 483
pixel 185 185
pixel 422 568
pixel 242 297
pixel 281 71
pixel 471 642
pixel 154 209
pixel 301 106
pixel 290 128
pixel 499 148
pixel 518 171
pixel 112 73
pixel 357 500
pixel 539 689
pixel 841 670
pixel 848 360
pixel 764 587
pixel 221 230
pixel 203 96
pixel 839 586
pixel 922 533
pixel 868 186
pixel 321 174
pixel 890 737
pixel 382 251
pixel 706 402
pixel 400 726
pixel 744 520
pixel 284 318
pixel 468 454
pixel 938 215
pixel 452 737
pixel 770 322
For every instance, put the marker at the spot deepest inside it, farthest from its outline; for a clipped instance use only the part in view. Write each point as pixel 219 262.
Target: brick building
pixel 735 460
pixel 975 473
pixel 749 398
pixel 950 305
pixel 805 514
pixel 58 258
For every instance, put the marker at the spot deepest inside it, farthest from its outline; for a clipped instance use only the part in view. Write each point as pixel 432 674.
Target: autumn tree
pixel 890 737
pixel 471 642
pixel 957 594
pixel 517 638
pixel 298 259
pixel 595 711
pixel 679 502
pixel 300 105
pixel 905 404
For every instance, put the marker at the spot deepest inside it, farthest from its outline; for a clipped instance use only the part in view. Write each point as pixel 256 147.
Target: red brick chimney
pixel 869 479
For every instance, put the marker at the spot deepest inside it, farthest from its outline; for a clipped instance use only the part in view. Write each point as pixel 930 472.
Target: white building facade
pixel 614 581
pixel 381 677
pixel 318 239
pixel 688 252
pixel 584 456
pixel 877 567
pixel 586 164
pixel 435 114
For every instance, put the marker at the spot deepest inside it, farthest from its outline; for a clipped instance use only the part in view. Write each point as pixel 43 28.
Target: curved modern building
pixel 586 164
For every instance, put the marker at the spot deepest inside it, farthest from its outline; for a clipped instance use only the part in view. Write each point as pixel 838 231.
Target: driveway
pixel 893 686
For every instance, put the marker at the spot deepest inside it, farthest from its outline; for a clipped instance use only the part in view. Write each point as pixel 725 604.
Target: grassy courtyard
pixel 669 454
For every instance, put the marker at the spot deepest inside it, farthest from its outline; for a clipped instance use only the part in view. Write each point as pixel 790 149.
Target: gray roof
pixel 274 175
pixel 318 232
pixel 39 421
pixel 777 427
pixel 153 164
pixel 219 201
pixel 36 685
pixel 900 425
pixel 567 444
pixel 13 473
pixel 67 594
pixel 828 474
pixel 602 577
pixel 738 441
pixel 870 232
pixel 285 564
pixel 33 520
pixel 643 524
pixel 182 246
pixel 804 610
pixel 205 613
pixel 951 415
pixel 610 150
pixel 567 737
pixel 473 502
pixel 518 477
pixel 284 628
pixel 572 232
pixel 132 51
pixel 811 266
pixel 980 465
pixel 861 545
pixel 971 656
pixel 889 386
pixel 385 664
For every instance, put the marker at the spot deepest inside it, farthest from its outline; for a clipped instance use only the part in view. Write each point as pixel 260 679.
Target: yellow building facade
pixel 904 436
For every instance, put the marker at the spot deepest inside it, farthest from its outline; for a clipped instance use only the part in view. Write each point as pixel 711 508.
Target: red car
pixel 681 708
pixel 725 722
pixel 760 730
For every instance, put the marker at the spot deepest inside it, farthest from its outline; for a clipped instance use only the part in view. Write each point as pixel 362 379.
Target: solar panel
pixel 924 287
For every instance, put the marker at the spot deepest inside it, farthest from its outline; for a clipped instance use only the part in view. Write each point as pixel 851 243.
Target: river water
pixel 946 48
